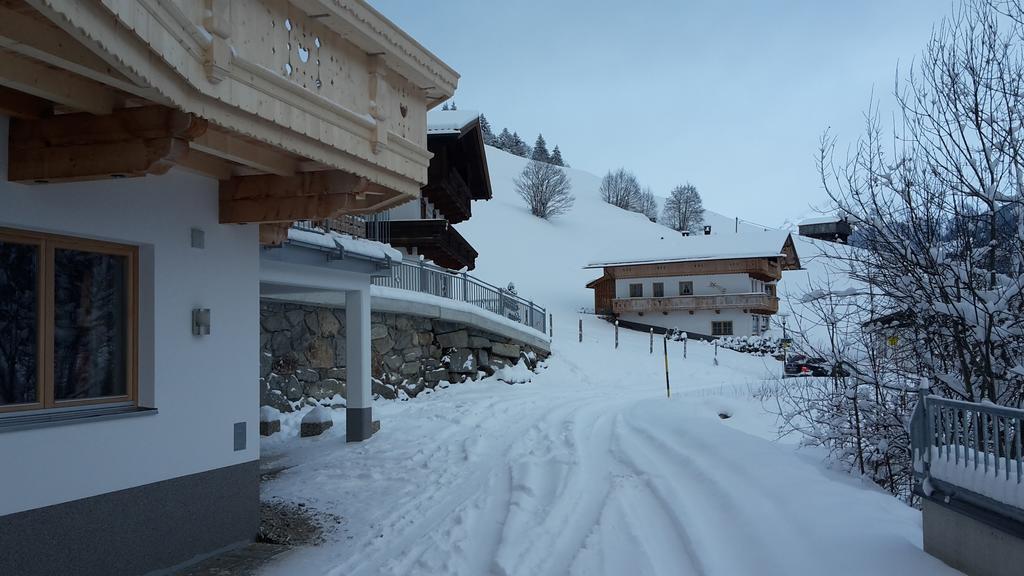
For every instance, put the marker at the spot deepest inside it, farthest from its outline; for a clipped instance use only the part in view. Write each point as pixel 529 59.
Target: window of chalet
pixel 636 290
pixel 67 321
pixel 757 324
pixel 659 289
pixel 686 288
pixel 723 328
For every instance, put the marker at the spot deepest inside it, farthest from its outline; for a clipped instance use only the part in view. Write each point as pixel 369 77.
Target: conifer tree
pixel 556 157
pixel 519 147
pixel 540 150
pixel 485 128
pixel 504 140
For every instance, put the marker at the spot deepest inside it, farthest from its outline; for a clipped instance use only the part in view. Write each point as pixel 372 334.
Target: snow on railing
pixel 460 286
pixel 974 448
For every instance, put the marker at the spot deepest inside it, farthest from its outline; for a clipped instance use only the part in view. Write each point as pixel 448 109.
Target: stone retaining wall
pixel 302 354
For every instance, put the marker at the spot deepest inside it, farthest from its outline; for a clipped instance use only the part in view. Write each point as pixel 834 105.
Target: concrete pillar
pixel 358 414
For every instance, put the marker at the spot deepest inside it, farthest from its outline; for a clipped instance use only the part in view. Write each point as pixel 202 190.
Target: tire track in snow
pixel 690 468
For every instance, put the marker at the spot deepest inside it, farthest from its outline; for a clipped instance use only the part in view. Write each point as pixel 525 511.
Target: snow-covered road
pixel 589 469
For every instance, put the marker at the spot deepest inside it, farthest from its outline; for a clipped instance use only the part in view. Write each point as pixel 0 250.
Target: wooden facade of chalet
pixel 767 269
pixel 457 176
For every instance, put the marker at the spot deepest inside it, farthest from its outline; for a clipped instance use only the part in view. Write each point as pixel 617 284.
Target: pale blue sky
pixel 731 96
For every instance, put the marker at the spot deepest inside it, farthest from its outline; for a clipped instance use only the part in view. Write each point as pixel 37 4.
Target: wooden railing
pixel 753 301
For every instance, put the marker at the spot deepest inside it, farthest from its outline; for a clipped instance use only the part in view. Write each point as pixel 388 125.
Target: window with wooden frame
pixel 658 289
pixel 636 290
pixel 68 321
pixel 686 288
pixel 723 328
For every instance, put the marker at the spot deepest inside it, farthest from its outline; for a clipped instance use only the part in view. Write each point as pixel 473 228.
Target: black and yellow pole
pixel 668 388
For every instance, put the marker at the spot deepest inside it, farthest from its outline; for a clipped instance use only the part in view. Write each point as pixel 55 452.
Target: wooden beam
pixel 274 234
pixel 73 147
pixel 305 196
pixel 205 165
pixel 60 86
pixel 21 105
pixel 42 40
pixel 125 124
pixel 260 157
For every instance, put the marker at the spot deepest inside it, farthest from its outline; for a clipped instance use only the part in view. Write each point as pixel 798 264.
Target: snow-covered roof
pixel 820 220
pixel 358 247
pixel 450 121
pixel 766 244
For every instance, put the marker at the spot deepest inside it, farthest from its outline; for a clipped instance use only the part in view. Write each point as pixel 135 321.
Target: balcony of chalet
pixel 435 239
pixel 753 302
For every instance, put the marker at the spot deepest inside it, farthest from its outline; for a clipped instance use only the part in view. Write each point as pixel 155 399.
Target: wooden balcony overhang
pixel 303 110
pixel 437 240
pixel 754 303
pixel 458 172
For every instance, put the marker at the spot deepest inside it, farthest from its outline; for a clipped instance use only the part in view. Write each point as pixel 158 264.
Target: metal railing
pixel 430 279
pixel 971 450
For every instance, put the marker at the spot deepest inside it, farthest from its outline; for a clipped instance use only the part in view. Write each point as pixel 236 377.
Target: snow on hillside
pixel 544 258
pixel 589 467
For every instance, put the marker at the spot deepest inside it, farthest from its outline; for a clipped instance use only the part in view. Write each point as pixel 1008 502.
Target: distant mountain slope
pixel 545 259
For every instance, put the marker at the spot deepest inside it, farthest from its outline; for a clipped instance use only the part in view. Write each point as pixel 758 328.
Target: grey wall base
pixel 358 424
pixel 135 531
pixel 969 545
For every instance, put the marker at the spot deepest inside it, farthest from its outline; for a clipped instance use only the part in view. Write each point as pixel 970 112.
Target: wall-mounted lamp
pixel 201 321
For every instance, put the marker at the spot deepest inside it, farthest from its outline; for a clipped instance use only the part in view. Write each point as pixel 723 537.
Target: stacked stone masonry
pixel 303 358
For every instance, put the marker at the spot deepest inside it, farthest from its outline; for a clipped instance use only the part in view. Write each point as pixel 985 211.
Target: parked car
pixel 801 365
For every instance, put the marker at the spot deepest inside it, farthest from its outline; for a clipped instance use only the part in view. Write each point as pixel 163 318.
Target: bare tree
pixel 545 188
pixel 928 205
pixel 684 209
pixel 621 188
pixel 648 205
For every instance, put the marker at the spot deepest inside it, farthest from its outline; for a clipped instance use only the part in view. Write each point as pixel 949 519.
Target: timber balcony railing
pixel 969 452
pixel 751 301
pixel 461 287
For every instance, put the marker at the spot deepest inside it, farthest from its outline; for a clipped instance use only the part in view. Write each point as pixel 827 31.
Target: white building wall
pixel 201 386
pixel 408 211
pixel 699 322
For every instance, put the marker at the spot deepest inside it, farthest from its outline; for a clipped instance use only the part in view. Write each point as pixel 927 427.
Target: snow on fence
pixel 973 447
pixel 430 279
pixel 460 286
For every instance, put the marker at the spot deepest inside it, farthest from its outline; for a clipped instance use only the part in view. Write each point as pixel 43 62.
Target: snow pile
pixel 269 414
pixel 517 374
pixel 318 415
pixel 757 345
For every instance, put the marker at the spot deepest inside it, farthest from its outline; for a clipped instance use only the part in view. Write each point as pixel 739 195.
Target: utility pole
pixel 668 387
